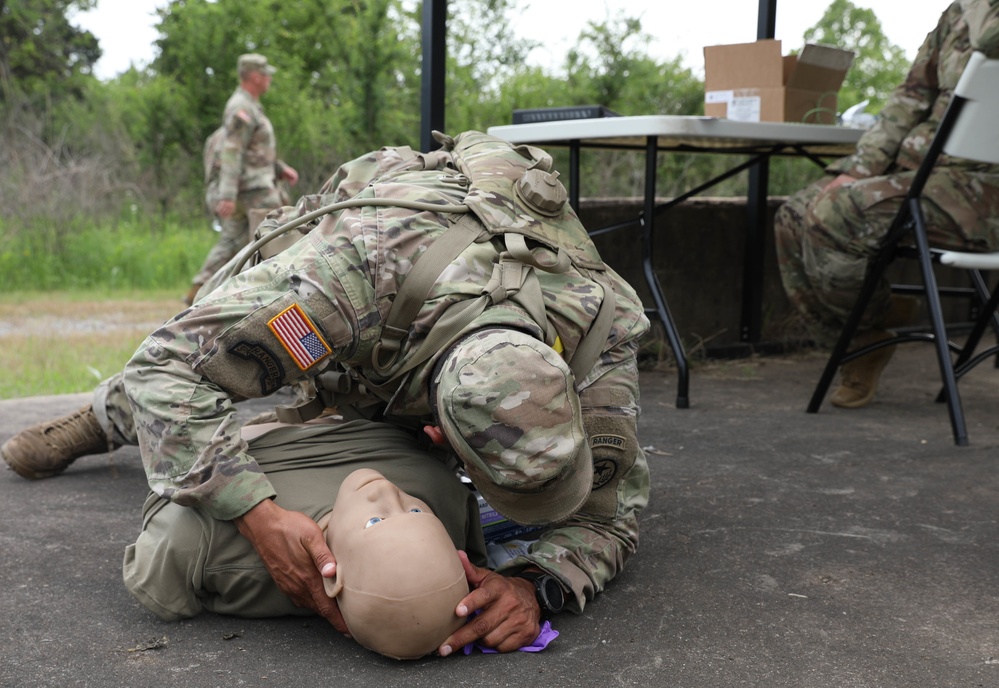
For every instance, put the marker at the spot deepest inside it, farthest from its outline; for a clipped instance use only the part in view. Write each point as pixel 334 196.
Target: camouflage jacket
pixel 907 123
pixel 245 156
pixel 336 286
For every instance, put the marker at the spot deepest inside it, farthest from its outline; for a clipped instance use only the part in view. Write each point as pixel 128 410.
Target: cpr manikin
pixel 398 577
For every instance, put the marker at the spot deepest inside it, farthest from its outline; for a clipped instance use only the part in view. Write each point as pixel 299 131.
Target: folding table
pixel 758 141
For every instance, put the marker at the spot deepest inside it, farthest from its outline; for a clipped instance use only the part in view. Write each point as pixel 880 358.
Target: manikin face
pixel 398 578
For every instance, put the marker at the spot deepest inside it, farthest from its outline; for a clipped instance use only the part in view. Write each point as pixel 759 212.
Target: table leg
pixel 661 309
pixel 754 253
pixel 574 174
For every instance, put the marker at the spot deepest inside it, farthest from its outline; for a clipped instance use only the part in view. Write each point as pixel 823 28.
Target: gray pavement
pixel 847 548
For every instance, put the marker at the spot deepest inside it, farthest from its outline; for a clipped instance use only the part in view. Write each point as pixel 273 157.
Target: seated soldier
pixel 828 233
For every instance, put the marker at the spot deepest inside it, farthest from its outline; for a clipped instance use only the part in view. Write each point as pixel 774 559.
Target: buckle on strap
pixel 540 258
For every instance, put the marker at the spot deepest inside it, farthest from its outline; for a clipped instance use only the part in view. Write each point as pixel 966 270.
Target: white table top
pixel 683 132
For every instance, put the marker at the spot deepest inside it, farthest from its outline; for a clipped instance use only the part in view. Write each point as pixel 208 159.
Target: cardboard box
pixel 754 82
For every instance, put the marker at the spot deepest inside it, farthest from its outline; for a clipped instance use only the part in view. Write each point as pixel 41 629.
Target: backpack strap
pixel 414 291
pixel 589 349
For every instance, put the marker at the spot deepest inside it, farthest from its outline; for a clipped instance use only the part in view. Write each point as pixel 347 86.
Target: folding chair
pixel 967 130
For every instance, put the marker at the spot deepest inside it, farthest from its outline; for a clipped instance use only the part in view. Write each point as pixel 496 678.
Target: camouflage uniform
pixel 826 237
pixel 240 164
pixel 340 281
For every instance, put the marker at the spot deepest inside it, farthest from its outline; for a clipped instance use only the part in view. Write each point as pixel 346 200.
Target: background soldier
pixel 828 232
pixel 241 166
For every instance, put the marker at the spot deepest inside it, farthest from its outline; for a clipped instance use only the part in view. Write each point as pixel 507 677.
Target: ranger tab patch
pixel 299 337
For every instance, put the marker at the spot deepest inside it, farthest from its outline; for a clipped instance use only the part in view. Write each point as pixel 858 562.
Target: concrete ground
pixel 846 548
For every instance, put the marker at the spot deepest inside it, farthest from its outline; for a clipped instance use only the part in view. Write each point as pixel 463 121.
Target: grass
pixel 129 254
pixel 66 342
pixel 77 298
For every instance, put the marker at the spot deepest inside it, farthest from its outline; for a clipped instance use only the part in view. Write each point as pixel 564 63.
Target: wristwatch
pixel 547 590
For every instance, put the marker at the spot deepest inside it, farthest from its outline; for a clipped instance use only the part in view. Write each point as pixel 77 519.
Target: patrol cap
pixel 252 62
pixel 507 405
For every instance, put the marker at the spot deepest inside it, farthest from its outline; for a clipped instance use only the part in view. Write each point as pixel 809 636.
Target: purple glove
pixel 546 635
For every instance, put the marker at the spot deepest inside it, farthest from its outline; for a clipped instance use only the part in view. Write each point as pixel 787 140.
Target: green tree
pixel 610 66
pixel 40 51
pixel 483 54
pixel 155 111
pixel 59 160
pixel 345 80
pixel 879 65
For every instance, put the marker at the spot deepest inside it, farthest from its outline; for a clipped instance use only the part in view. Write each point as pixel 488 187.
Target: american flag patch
pixel 299 337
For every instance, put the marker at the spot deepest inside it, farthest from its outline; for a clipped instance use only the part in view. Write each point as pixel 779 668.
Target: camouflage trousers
pixel 235 232
pixel 113 412
pixel 827 237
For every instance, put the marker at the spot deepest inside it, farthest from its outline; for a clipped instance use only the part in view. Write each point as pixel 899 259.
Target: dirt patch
pixel 66 343
pixel 59 314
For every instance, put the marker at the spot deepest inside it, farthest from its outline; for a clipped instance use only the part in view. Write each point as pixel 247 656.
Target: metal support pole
pixel 433 75
pixel 756 207
pixel 652 280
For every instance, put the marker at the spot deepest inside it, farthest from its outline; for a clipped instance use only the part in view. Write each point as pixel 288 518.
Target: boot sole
pixel 854 404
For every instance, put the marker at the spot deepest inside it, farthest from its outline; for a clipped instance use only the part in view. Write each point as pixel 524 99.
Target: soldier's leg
pixel 48 448
pixel 962 210
pixel 790 231
pixel 850 223
pixel 165 566
pixel 825 239
pixel 232 238
pixel 236 233
pixel 113 412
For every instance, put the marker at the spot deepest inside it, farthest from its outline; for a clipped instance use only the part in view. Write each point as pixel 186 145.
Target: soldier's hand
pixel 225 208
pixel 509 615
pixel 294 551
pixel 290 174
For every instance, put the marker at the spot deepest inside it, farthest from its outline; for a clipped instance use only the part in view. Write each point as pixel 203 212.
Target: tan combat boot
pixel 859 378
pixel 46 449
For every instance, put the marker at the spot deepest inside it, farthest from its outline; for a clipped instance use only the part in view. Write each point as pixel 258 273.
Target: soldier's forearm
pixel 188 436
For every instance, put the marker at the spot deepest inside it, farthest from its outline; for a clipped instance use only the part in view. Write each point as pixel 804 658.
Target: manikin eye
pixel 416 510
pixel 372 521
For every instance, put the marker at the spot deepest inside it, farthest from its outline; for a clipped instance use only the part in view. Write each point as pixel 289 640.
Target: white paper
pixel 744 109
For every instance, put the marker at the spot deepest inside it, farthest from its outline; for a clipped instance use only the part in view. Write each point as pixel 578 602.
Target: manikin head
pixel 398 577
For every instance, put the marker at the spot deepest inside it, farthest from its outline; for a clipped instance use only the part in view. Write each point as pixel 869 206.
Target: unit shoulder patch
pixel 612 441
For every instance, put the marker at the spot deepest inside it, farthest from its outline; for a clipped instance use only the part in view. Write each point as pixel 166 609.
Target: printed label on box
pixel 744 109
